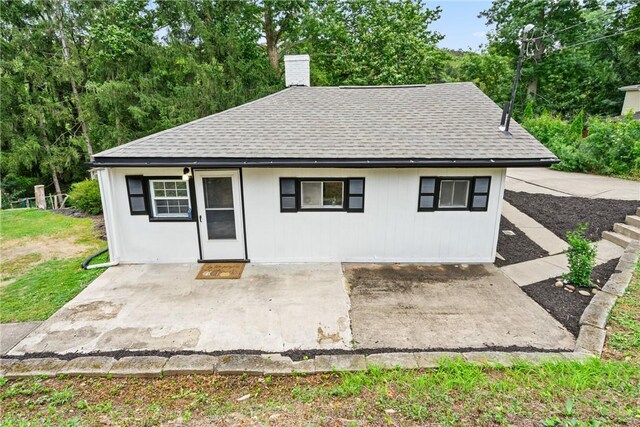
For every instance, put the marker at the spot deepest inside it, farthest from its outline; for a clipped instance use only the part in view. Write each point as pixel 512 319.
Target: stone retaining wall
pixel 594 319
pixel 266 364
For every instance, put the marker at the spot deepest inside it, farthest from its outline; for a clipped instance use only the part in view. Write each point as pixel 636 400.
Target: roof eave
pixel 203 162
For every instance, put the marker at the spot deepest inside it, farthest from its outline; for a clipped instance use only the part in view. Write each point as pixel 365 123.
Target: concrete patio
pixel 280 307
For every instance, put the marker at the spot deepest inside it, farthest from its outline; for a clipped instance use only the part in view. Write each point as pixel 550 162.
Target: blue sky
pixel 459 23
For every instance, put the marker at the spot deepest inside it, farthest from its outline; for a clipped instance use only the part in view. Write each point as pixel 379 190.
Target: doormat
pixel 221 270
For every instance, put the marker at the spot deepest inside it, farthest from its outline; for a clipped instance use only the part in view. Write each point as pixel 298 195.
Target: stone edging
pixel 265 364
pixel 594 318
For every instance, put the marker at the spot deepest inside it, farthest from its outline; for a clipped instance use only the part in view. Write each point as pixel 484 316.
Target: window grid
pixel 170 198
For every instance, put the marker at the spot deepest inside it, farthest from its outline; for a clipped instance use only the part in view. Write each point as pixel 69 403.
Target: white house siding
pixel 133 238
pixel 389 230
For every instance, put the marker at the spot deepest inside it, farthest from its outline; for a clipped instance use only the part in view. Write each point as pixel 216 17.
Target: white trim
pixel 154 198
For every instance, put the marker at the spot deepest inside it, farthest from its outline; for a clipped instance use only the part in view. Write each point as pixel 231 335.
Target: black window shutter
pixel 137 195
pixel 288 195
pixel 480 193
pixel 355 194
pixel 427 198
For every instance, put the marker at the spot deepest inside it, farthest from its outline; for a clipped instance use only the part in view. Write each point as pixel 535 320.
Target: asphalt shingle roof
pixel 438 121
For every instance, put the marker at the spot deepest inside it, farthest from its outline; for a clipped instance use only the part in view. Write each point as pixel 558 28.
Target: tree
pixel 371 42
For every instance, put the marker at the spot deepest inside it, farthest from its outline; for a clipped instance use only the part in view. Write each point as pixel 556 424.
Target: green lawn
pixel 34 288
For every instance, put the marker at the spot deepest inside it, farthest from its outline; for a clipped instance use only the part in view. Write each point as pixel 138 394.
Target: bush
pixel 85 195
pixel 581 255
pixel 612 147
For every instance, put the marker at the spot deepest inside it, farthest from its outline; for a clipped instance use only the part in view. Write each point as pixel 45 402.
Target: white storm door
pixel 220 214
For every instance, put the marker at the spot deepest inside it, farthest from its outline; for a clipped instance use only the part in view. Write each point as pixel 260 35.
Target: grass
pixel 35 287
pixel 623 335
pixel 44 289
pixel 19 223
pixel 457 393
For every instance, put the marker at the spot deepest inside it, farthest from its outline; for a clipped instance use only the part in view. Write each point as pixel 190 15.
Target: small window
pixel 321 194
pixel 454 193
pixel 315 194
pixel 170 198
pixel 445 193
pixel 137 199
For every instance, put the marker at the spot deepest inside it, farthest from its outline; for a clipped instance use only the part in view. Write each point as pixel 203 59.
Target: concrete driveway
pixel 448 307
pixel 273 308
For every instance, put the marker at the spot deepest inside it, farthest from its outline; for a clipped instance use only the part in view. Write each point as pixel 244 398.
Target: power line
pixel 584 22
pixel 596 39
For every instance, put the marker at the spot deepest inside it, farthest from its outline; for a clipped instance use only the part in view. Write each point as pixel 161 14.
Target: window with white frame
pixel 321 194
pixel 170 198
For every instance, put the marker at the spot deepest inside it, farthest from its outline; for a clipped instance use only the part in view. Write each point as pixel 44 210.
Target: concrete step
pixel 617 238
pixel 633 220
pixel 627 230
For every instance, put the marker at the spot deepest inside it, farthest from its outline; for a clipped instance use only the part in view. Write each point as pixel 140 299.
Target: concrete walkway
pixel 528 272
pixel 12 333
pixel 534 230
pixel 556 183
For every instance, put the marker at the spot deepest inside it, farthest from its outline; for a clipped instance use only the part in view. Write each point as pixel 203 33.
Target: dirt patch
pixel 516 247
pixel 562 214
pixel 29 251
pixel 97 310
pixel 567 307
pixel 375 278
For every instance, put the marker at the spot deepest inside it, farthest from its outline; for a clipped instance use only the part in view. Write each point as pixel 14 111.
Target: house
pixel 313 174
pixel 631 102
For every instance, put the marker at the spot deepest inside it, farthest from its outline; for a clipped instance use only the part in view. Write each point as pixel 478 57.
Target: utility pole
pixel 508 106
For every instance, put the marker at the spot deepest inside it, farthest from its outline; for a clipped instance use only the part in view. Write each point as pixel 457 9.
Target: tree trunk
pixel 74 89
pixel 271 37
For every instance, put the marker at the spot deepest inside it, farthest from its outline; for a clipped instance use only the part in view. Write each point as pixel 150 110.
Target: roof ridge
pixel 187 124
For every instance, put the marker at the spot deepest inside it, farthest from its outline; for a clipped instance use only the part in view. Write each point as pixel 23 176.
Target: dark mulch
pixel 516 248
pixel 567 307
pixel 562 214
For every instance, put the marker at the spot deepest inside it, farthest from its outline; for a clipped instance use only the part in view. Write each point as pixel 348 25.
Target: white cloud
pixel 480 34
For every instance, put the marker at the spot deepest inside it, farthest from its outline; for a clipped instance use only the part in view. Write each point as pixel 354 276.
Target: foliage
pixel 88 76
pixel 85 195
pixel 581 256
pixel 611 147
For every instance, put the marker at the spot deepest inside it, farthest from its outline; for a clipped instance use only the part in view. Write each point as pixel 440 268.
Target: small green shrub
pixel 85 195
pixel 581 255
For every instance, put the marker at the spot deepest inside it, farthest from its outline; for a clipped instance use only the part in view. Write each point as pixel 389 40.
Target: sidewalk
pixel 528 272
pixel 571 184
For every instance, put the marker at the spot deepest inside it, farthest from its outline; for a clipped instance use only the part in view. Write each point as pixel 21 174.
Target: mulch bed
pixel 567 307
pixel 562 214
pixel 516 248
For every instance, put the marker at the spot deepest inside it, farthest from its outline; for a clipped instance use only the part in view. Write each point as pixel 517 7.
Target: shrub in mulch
pixel 563 214
pixel 567 307
pixel 516 248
